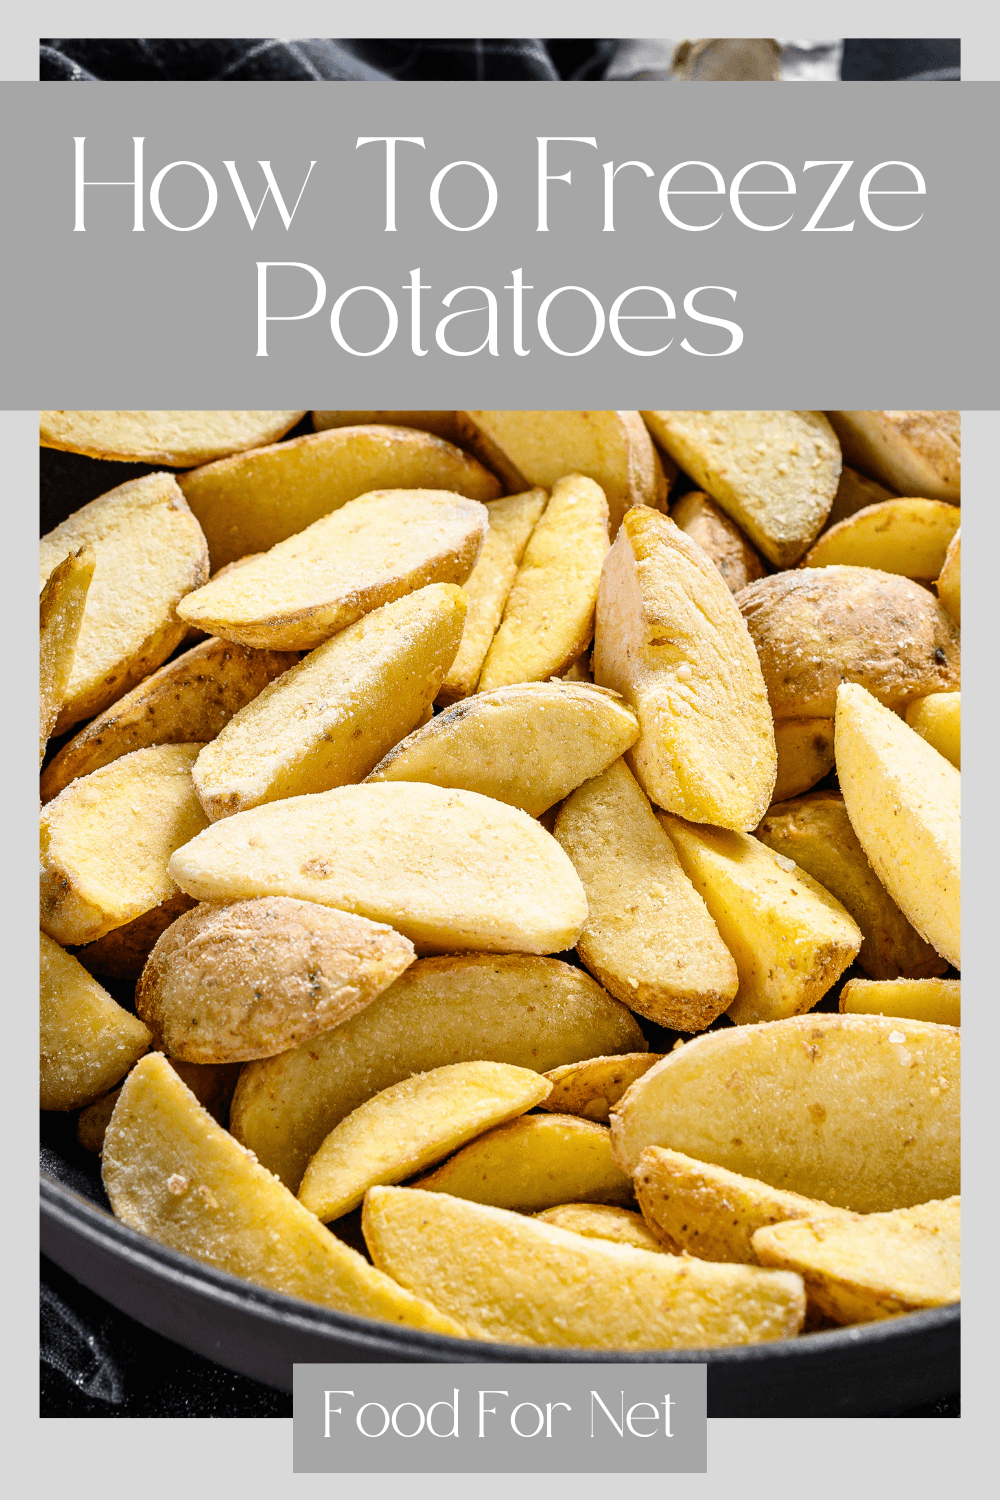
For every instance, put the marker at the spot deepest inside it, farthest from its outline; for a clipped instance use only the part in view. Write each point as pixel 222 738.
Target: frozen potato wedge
pixel 949 585
pixel 904 803
pixel 519 1280
pixel 86 1041
pixel 862 1267
pixel 329 718
pixel 178 438
pixel 106 841
pixel 512 1008
pixel 175 1175
pixel 854 492
pixel 150 552
pixel 649 938
pixel 369 552
pixel 528 745
pixel 589 1088
pixel 122 952
pixel 535 1162
pixel 60 615
pixel 226 983
pixel 910 537
pixel 251 502
pixel 441 423
pixel 936 1000
pixel 670 638
pixel 861 1112
pixel 412 1125
pixel 707 524
pixel 774 472
pixel 602 1221
pixel 549 617
pixel 938 720
pixel 211 1086
pixel 913 452
pixel 805 755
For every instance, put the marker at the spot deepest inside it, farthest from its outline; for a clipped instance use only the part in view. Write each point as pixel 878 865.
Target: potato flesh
pixel 163 437
pixel 913 452
pixel 910 537
pixel 61 607
pixel 858 1111
pixel 707 524
pixel 854 492
pixel 591 1087
pixel 805 755
pixel 86 1041
pixel 328 719
pixel 411 1126
pixel 938 720
pixel 441 423
pixel 518 1009
pixel 211 1086
pixel 602 1221
pixel 936 1000
pixel 949 585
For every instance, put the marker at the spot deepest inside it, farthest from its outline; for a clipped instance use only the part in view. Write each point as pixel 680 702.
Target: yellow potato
pixel 904 803
pixel 896 536
pixel 913 452
pixel 211 1086
pixel 589 1088
pixel 949 585
pixel 60 612
pixel 441 423
pixel 854 492
pixel 805 755
pixel 938 720
pixel 707 524
pixel 602 1221
pixel 163 437
pixel 860 1112
pixel 921 999
pixel 122 952
pixel 86 1041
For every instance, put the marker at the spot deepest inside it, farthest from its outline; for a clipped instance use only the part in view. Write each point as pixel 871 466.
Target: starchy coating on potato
pixel 327 720
pixel 670 639
pixel 862 1112
pixel 805 755
pixel 508 1277
pixel 815 832
pixel 815 628
pixel 369 552
pixel 949 585
pixel 913 452
pixel 172 1173
pixel 528 745
pixel 910 537
pixel 774 472
pixel 854 492
pixel 441 423
pixel 649 938
pixel 589 1088
pixel 602 1221
pixel 211 1085
pixel 60 615
pixel 411 1126
pixel 106 840
pixel 707 524
pixel 511 522
pixel 511 1008
pixel 904 802
pixel 189 699
pixel 549 617
pixel 230 982
pixel 150 552
pixel 86 1041
pixel 122 952
pixel 163 437
pixel 872 1266
pixel 920 999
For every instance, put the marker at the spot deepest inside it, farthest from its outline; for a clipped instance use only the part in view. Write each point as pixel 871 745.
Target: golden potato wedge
pixel 488 586
pixel 791 939
pixel 441 423
pixel 854 492
pixel 60 615
pixel 649 938
pixel 517 1279
pixel 707 524
pixel 175 1175
pixel 863 1267
pixel 150 552
pixel 920 999
pixel 179 438
pixel 589 1088
pixel 530 1012
pixel 670 639
pixel 412 1125
pixel 602 1221
pixel 805 755
pixel 86 1041
pixel 949 585
pixel 528 745
pixel 535 1162
pixel 860 1112
pixel 774 472
pixel 122 952
pixel 251 502
pixel 910 537
pixel 815 832
pixel 913 452
pixel 904 803
pixel 191 698
pixel 106 841
pixel 549 617
pixel 327 720
pixel 815 628
pixel 211 1086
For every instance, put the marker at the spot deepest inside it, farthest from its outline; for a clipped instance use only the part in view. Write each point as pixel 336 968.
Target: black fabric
pixel 874 60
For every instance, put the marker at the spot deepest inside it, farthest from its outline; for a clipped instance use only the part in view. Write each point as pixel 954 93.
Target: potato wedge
pixel 859 1111
pixel 949 585
pixel 526 1282
pixel 910 537
pixel 488 586
pixel 602 1221
pixel 649 938
pixel 549 617
pixel 530 1012
pixel 591 1087
pixel 369 552
pixel 150 552
pixel 441 423
pixel 60 615
pixel 86 1041
pixel 122 952
pixel 904 803
pixel 412 1125
pixel 179 438
pixel 106 840
pixel 211 1086
pixel 175 1175
pixel 920 999
pixel 815 832
pixel 774 472
pixel 528 745
pixel 815 628
pixel 854 492
pixel 707 524
pixel 805 755
pixel 328 719
pixel 871 1266
pixel 535 1162
pixel 670 639
pixel 191 698
pixel 251 502
pixel 913 452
